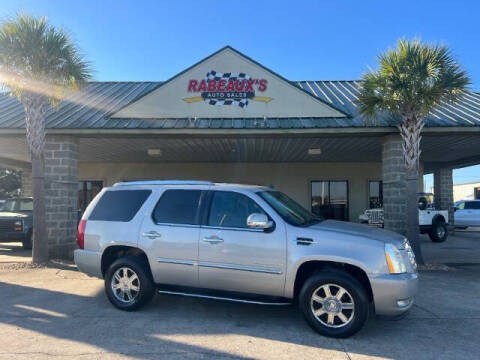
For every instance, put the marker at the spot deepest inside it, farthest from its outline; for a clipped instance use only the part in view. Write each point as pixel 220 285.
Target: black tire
pixel 145 283
pixel 422 203
pixel 355 290
pixel 439 232
pixel 27 242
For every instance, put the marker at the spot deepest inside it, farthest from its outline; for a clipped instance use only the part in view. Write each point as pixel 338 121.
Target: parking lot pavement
pixel 59 312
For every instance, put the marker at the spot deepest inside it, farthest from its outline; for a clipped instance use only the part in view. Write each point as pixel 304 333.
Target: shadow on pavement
pixel 13 252
pixel 193 328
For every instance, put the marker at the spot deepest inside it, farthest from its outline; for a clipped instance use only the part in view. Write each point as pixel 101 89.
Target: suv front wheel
pixel 334 303
pixel 127 283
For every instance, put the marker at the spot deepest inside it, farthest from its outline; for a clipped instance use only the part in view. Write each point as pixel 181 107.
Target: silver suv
pixel 242 243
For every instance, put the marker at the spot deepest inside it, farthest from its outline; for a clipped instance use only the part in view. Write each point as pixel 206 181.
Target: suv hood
pixel 360 230
pixel 11 215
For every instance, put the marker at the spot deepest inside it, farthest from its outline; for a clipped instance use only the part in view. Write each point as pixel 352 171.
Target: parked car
pixel 431 221
pixel 242 243
pixel 16 221
pixel 467 213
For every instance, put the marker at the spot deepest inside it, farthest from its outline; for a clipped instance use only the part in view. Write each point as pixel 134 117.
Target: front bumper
pixel 88 262
pixel 393 294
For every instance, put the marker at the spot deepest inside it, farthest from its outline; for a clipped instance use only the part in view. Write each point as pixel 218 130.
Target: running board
pixel 246 301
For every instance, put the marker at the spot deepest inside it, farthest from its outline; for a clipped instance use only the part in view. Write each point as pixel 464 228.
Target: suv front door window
pixel 233 256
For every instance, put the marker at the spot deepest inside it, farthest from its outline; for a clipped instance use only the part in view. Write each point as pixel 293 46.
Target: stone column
pixel 61 191
pixel 394 185
pixel 443 189
pixel 26 183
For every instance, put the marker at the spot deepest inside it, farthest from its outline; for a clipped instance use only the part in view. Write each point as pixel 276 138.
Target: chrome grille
pixel 6 225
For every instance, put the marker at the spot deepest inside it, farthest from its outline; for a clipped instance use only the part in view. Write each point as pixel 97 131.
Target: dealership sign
pixel 220 89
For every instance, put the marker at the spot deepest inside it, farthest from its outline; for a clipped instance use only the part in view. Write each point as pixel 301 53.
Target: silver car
pixel 242 243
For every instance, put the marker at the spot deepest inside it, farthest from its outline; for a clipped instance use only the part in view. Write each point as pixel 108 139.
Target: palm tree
pixel 38 65
pixel 411 81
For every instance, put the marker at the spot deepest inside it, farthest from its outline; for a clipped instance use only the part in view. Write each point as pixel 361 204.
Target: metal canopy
pixel 92 107
pixel 455 149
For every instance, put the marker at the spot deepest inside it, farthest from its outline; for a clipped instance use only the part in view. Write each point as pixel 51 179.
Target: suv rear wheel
pixel 334 304
pixel 127 284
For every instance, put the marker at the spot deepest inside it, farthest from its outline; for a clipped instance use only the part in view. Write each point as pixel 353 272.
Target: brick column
pixel 394 185
pixel 443 189
pixel 26 183
pixel 61 191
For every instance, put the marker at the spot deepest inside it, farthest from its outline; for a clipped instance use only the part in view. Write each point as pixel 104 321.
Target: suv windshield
pixel 290 211
pixel 18 205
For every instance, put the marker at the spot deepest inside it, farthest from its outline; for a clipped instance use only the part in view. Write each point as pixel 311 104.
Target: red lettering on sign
pixel 239 85
pixel 202 86
pixel 212 85
pixel 249 86
pixel 263 85
pixel 192 85
pixel 221 85
pixel 230 85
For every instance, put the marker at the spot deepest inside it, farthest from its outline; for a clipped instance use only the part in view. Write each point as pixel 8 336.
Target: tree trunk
pixel 36 107
pixel 410 130
pixel 40 240
pixel 413 228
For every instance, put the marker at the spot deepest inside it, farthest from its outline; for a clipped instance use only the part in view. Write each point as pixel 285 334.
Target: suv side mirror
pixel 259 221
pixel 455 208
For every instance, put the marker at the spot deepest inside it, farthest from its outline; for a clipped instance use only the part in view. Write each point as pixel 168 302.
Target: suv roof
pixel 184 182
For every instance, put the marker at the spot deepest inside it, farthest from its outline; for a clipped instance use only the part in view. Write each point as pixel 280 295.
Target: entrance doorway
pixel 330 199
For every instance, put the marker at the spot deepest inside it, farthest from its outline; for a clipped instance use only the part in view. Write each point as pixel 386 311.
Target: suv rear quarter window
pixel 178 207
pixel 119 205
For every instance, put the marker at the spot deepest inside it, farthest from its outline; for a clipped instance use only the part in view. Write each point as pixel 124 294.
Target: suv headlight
pixel 395 262
pixel 410 254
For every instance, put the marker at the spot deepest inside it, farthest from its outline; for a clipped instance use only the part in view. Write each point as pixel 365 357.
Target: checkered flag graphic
pixel 213 75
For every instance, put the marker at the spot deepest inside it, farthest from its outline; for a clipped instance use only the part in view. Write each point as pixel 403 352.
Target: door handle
pixel 151 234
pixel 214 239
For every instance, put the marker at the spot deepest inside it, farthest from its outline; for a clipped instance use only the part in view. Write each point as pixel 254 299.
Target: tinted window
pixel 472 205
pixel 231 209
pixel 119 205
pixel 178 207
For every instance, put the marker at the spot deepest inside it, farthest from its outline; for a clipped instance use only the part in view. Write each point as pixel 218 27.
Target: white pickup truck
pixel 432 221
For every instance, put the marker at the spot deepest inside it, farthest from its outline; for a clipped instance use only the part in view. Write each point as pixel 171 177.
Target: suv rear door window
pixel 472 205
pixel 178 207
pixel 231 209
pixel 119 205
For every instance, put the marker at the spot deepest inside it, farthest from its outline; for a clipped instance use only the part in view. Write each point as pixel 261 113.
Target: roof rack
pixel 164 182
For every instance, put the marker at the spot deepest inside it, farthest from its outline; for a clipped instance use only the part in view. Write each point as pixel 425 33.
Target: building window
pixel 476 193
pixel 330 199
pixel 375 194
pixel 87 190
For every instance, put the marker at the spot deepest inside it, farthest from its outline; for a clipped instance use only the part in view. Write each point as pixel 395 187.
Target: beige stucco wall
pixel 292 178
pixel 464 191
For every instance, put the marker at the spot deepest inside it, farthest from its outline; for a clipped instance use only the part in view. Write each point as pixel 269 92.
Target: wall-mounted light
pixel 314 151
pixel 154 152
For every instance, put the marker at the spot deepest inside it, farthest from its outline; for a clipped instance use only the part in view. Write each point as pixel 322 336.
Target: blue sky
pixel 314 40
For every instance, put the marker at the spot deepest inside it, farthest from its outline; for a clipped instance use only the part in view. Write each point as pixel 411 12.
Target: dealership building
pixel 228 118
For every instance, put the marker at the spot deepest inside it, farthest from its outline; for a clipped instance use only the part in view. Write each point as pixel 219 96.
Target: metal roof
pixel 92 107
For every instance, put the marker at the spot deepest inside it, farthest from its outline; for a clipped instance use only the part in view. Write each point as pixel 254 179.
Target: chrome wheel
pixel 125 285
pixel 440 231
pixel 332 305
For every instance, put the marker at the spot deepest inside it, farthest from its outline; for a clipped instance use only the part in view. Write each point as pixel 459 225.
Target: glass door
pixel 330 199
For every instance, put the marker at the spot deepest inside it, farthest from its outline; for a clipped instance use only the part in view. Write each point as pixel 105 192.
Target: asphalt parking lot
pixel 59 312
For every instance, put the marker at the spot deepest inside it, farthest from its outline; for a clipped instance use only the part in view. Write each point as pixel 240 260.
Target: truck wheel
pixel 27 242
pixel 128 284
pixel 334 303
pixel 438 232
